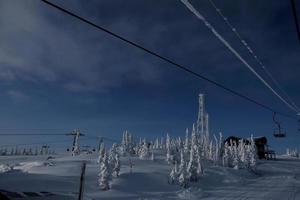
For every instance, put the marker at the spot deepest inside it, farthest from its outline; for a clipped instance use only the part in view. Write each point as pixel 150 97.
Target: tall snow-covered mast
pixel 200 121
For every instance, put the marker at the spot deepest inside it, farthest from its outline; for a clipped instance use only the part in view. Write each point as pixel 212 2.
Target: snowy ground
pixel 274 180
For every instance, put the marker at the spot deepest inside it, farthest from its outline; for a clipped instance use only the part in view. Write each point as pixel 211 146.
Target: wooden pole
pixel 80 196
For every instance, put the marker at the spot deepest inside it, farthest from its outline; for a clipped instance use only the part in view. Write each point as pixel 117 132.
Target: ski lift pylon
pixel 278 132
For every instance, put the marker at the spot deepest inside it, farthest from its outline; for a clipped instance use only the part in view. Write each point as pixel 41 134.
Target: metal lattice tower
pixel 75 148
pixel 206 126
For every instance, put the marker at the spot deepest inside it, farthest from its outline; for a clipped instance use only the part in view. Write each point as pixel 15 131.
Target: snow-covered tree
pixel 210 151
pixel 173 176
pixel 216 155
pixel 183 178
pixel 252 154
pixel 16 151
pixel 112 159
pixel 104 174
pixel 168 148
pixel 144 151
pixel 156 144
pixel 194 141
pixel 235 162
pixel 36 152
pixel 117 166
pixel 127 145
pixel 152 155
pixel 186 142
pixel 199 166
pixel 225 157
pixel 162 142
pixel 30 152
pixel 101 152
pixel 193 165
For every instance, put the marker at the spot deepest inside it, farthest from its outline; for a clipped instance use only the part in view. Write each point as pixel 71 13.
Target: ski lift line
pixel 39 143
pixel 179 66
pixel 26 134
pixel 251 51
pixel 104 138
pixel 31 129
pixel 294 10
pixel 229 47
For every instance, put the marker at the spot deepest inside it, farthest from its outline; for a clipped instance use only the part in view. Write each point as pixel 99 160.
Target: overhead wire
pixel 230 48
pixel 32 134
pixel 294 10
pixel 251 51
pixel 173 63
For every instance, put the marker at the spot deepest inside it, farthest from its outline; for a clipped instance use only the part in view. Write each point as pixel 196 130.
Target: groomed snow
pixel 274 180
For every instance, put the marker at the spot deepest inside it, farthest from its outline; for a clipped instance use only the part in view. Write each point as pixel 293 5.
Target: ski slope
pixel 59 177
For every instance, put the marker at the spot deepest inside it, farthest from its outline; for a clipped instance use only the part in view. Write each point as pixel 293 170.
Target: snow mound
pixel 27 166
pixel 5 168
pixel 190 193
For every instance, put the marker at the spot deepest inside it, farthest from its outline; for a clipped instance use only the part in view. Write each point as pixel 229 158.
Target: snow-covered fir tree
pixel 162 143
pixel 235 162
pixel 144 150
pixel 173 176
pixel 127 143
pixel 101 152
pixel 117 167
pixel 193 165
pixel 186 142
pixel 36 152
pixel 225 157
pixel 112 159
pixel 16 151
pixel 152 155
pixel 168 148
pixel 183 178
pixel 199 166
pixel 252 153
pixel 104 174
pixel 156 144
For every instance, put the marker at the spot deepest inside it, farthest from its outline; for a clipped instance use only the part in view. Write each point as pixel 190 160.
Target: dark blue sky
pixel 57 72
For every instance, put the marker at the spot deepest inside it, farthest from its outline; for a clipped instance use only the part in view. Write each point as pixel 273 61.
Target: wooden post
pixel 81 187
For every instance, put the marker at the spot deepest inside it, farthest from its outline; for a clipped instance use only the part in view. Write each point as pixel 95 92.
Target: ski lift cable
pixel 31 129
pixel 35 143
pixel 104 138
pixel 251 51
pixel 294 10
pixel 173 63
pixel 88 137
pixel 26 134
pixel 39 143
pixel 230 48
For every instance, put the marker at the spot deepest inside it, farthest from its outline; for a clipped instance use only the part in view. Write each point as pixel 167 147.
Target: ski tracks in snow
pixel 274 187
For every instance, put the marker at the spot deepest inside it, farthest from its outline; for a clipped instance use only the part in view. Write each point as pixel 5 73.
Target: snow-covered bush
pixel 292 152
pixel 239 155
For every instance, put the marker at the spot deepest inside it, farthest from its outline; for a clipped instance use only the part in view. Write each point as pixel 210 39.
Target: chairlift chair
pixel 278 131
